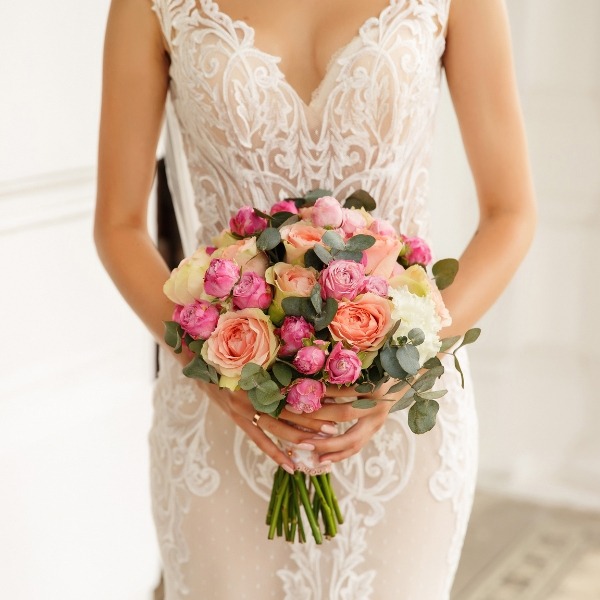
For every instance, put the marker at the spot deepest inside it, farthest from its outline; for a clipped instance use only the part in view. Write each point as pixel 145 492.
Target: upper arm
pixel 480 73
pixel 135 83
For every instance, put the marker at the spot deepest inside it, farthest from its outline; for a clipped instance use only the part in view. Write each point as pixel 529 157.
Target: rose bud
pixel 342 279
pixel 375 285
pixel 309 360
pixel 418 251
pixel 352 220
pixel 383 227
pixel 327 212
pixel 221 275
pixel 292 332
pixel 284 206
pixel 246 222
pixel 198 319
pixel 342 366
pixel 305 395
pixel 252 291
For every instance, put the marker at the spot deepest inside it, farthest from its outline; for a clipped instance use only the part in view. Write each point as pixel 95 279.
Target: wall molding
pixel 45 199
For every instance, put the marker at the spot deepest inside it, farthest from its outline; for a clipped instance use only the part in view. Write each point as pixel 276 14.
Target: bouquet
pixel 315 293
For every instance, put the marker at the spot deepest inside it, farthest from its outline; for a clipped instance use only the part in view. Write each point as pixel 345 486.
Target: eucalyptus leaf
pixel 397 387
pixel 333 240
pixel 349 255
pixel 327 314
pixel 470 337
pixel 364 403
pixel 279 218
pixel 283 372
pixel 422 415
pixel 250 369
pixel 457 367
pixel 364 388
pixel 173 334
pixel 444 272
pixel 197 369
pixel 431 395
pixel 408 358
pixel 323 254
pixel 315 298
pixel 447 343
pixel 196 346
pixel 268 239
pixel 262 214
pixel 360 242
pixel 389 362
pixel 293 306
pixel 428 380
pixel 312 260
pixel 433 362
pixel 213 375
pixel 314 195
pixel 416 336
pixel 360 199
pixel 259 406
pixel 402 404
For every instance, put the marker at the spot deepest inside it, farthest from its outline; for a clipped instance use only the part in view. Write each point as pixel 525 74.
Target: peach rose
pixel 298 238
pixel 240 337
pixel 381 257
pixel 415 279
pixel 364 322
pixel 246 255
pixel 289 280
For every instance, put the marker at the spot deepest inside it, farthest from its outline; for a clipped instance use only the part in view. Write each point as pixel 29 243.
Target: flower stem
pixel 276 482
pixel 334 500
pixel 330 528
pixel 299 476
pixel 276 516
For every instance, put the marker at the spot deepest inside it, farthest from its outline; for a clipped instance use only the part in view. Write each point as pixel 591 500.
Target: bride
pixel 274 98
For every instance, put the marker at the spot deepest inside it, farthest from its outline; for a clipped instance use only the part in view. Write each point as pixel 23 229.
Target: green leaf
pixel 212 373
pixel 259 406
pixel 364 403
pixel 360 199
pixel 444 272
pixel 268 392
pixel 197 369
pixel 348 255
pixel 262 214
pixel 422 415
pixel 470 337
pixel 408 358
pixel 314 195
pixel 416 336
pixel 402 404
pixel 323 254
pixel 360 242
pixel 333 240
pixel 327 314
pixel 431 395
pixel 283 372
pixel 447 343
pixel 173 334
pixel 462 376
pixel 293 306
pixel 432 362
pixel 428 380
pixel 389 362
pixel 196 346
pixel 268 239
pixel 364 388
pixel 282 217
pixel 312 260
pixel 250 369
pixel 315 298
pixel 397 387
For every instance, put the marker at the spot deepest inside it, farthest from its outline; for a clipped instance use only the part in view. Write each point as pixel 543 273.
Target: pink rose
pixel 304 395
pixel 251 291
pixel 246 222
pixel 298 238
pixel 383 227
pixel 240 337
pixel 327 212
pixel 376 285
pixel 418 251
pixel 440 307
pixel 284 206
pixel 382 256
pixel 198 319
pixel 309 360
pixel 342 279
pixel 292 332
pixel 364 322
pixel 343 366
pixel 246 255
pixel 351 221
pixel 220 277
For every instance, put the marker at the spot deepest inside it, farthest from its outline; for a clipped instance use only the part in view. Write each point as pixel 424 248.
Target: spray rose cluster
pixel 313 293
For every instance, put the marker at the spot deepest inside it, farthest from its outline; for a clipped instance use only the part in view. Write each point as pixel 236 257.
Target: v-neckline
pixel 374 21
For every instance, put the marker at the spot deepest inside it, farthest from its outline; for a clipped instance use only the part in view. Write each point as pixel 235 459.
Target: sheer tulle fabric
pixel 239 133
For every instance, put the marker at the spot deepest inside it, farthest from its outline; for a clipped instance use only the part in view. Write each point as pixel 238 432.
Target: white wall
pixel 75 365
pixel 535 364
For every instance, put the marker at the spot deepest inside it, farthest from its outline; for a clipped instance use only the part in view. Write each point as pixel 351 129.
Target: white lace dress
pixel 249 137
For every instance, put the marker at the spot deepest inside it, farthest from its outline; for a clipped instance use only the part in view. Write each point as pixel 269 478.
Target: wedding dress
pixel 249 137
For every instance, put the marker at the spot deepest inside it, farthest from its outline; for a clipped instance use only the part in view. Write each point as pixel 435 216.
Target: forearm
pixel 487 266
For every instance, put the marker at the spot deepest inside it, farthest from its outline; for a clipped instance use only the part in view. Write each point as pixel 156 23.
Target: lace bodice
pixel 250 138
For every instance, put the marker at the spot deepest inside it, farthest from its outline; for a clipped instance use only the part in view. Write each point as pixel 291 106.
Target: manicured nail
pixel 288 469
pixel 330 429
pixel 325 463
pixel 305 446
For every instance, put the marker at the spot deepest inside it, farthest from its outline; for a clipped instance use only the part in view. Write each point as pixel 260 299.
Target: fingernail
pixel 288 469
pixel 325 463
pixel 330 429
pixel 305 446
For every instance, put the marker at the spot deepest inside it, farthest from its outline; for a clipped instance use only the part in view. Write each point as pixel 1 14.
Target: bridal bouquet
pixel 310 295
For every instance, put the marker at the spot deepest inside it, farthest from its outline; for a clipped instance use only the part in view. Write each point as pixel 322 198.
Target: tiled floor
pixel 520 551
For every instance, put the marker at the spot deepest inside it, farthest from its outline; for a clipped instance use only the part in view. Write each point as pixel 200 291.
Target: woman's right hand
pixel 239 408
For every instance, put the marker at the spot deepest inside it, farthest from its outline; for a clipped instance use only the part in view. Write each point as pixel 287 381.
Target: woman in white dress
pixel 274 98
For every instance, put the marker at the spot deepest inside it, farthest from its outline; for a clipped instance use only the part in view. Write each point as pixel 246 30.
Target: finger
pixel 341 413
pixel 309 421
pixel 334 391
